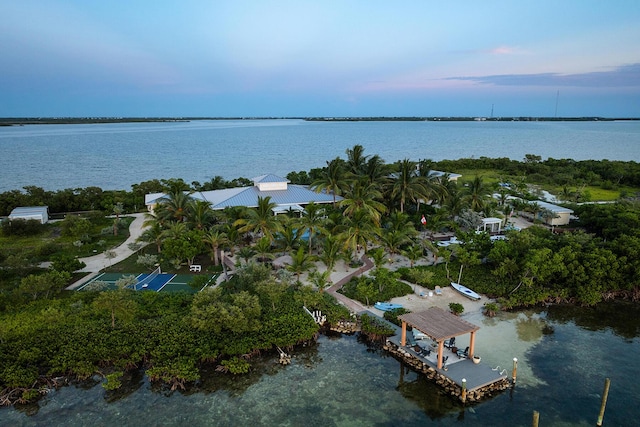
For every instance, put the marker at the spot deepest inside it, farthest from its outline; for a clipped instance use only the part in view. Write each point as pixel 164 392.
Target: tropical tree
pixel 214 239
pixel 246 253
pixel 312 220
pixel 117 303
pixel 118 209
pixel 407 185
pixel 333 179
pixel 174 206
pixel 356 159
pixel 199 214
pixel 263 249
pixel 359 229
pixel 393 240
pixel 475 194
pixel 330 252
pixel 289 238
pixel 320 279
pixel 363 196
pixel 413 253
pixel 153 232
pixel 261 219
pixel 301 261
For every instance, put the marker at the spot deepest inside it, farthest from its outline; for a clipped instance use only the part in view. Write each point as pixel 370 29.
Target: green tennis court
pixel 177 283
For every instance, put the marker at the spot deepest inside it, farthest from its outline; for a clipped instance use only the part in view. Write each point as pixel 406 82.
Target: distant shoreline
pixel 21 121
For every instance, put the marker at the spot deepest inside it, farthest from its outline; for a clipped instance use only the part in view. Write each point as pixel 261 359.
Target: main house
pixel 286 196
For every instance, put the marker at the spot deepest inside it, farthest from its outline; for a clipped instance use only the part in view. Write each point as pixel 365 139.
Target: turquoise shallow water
pixel 564 356
pixel 115 156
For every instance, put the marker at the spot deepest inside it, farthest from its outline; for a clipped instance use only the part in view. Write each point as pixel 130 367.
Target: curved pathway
pixel 98 262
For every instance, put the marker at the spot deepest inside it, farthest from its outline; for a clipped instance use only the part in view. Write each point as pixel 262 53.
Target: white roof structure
pixel 39 213
pixel 286 196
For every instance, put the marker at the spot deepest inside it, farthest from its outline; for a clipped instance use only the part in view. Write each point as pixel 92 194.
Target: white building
pixel 38 213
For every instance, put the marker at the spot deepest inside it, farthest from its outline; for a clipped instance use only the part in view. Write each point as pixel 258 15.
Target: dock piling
pixel 515 369
pixel 603 404
pixel 536 419
pixel 463 397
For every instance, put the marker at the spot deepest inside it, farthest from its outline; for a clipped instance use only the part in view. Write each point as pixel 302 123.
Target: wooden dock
pixel 481 380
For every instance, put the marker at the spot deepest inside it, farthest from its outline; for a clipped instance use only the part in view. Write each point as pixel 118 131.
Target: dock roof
pixel 438 324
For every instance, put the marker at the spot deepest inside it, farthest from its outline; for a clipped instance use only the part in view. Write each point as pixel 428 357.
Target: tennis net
pixel 144 282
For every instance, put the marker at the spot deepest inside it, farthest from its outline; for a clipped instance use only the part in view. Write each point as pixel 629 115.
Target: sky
pixel 204 58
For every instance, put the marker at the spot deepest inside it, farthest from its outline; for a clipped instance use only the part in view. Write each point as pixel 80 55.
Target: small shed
pixel 38 213
pixel 439 325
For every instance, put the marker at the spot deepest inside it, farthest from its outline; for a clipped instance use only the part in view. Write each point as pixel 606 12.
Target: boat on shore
pixel 465 291
pixel 386 306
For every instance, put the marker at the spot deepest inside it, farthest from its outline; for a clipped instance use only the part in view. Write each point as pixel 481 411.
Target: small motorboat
pixel 386 306
pixel 465 291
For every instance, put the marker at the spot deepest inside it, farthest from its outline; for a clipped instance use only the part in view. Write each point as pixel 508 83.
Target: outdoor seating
pixel 463 354
pixel 451 342
pixel 195 267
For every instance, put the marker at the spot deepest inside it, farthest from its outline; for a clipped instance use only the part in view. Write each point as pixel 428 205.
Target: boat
pixel 386 306
pixel 465 291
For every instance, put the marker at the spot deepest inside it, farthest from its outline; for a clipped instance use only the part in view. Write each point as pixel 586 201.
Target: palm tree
pixel 413 253
pixel 199 214
pixel 359 229
pixel 376 172
pixel 289 238
pixel 263 249
pixel 174 206
pixel 330 252
pixel 333 179
pixel 175 230
pixel 118 209
pixel 261 219
pixel 153 232
pixel 407 185
pixel 364 197
pixel 312 220
pixel 393 240
pixel 320 279
pixel 301 261
pixel 475 194
pixel 246 253
pixel 215 239
pixel 356 159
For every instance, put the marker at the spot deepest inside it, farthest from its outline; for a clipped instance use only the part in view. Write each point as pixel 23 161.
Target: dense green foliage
pixel 170 336
pixel 382 286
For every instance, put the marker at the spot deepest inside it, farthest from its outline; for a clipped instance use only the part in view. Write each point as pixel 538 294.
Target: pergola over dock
pixel 439 325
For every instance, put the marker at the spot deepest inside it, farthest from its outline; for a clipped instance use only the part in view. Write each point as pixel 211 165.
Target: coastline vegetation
pixel 49 336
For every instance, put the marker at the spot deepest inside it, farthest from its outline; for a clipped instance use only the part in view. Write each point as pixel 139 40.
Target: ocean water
pixel 564 355
pixel 115 156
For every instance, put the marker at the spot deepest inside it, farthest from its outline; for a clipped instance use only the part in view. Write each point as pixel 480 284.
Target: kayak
pixel 465 291
pixel 386 306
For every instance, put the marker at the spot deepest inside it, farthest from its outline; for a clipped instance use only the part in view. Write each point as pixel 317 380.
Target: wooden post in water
pixel 605 394
pixel 536 418
pixel 464 390
pixel 515 369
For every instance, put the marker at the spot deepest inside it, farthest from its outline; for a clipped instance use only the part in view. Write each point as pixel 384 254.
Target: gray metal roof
pixel 269 178
pixel 248 196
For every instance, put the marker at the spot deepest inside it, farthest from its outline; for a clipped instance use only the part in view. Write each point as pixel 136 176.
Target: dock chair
pixel 451 342
pixel 463 354
pixel 438 291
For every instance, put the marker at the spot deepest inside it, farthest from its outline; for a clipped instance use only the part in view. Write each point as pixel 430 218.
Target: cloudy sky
pixel 320 58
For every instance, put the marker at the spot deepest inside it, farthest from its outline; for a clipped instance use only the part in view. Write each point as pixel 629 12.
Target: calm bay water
pixel 115 156
pixel 564 356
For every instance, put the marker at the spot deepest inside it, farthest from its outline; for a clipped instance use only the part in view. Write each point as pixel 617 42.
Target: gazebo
pixel 493 224
pixel 439 325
